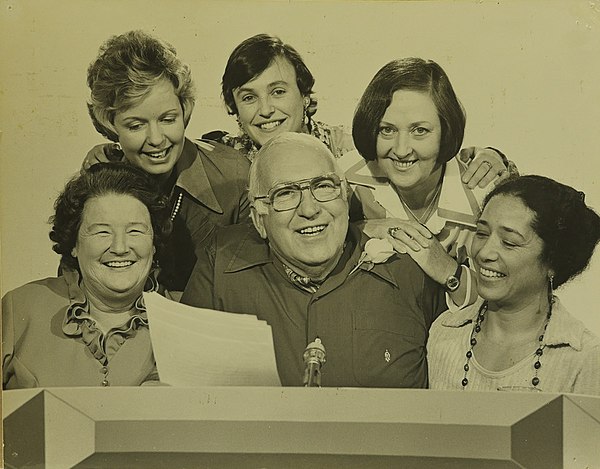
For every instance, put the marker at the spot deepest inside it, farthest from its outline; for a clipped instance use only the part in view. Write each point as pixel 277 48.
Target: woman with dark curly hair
pixel 533 235
pixel 88 327
pixel 142 97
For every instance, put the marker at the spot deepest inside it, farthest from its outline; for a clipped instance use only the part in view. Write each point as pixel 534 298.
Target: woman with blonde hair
pixel 142 98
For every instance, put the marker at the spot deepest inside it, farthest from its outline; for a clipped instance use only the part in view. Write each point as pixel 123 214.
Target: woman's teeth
pixel 403 164
pixel 490 273
pixel 270 125
pixel 157 154
pixel 119 264
pixel 312 230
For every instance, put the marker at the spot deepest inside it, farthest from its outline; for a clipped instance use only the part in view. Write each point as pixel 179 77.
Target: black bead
pixel 473 341
pixel 535 381
pixel 466 367
pixel 541 338
pixel 465 381
pixel 537 365
pixel 477 328
pixel 539 352
pixel 469 354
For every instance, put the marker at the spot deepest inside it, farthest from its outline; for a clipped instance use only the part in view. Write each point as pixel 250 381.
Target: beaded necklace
pixel 176 206
pixel 477 328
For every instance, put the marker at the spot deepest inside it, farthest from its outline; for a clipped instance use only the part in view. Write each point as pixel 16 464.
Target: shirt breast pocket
pixel 388 348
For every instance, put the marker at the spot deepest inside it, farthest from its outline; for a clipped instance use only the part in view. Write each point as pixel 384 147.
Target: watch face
pixel 452 283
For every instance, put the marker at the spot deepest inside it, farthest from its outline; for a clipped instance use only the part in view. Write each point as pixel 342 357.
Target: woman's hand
pixel 485 165
pixel 102 153
pixel 429 253
pixel 379 228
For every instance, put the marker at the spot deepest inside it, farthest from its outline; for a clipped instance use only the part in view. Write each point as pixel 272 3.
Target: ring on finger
pixel 489 165
pixel 393 230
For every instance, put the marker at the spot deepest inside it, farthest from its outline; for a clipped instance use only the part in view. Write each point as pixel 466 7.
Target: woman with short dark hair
pixel 88 327
pixel 410 184
pixel 533 235
pixel 412 74
pixel 269 89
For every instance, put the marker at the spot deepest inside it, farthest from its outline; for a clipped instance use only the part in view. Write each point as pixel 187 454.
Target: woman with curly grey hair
pixel 88 327
pixel 142 98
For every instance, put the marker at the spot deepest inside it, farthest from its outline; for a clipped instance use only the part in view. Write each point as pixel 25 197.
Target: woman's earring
pixel 305 116
pixel 551 289
pixel 237 119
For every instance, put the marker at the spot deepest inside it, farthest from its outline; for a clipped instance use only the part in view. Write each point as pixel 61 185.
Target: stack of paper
pixel 203 347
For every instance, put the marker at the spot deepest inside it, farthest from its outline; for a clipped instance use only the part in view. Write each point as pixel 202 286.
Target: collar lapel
pixel 192 176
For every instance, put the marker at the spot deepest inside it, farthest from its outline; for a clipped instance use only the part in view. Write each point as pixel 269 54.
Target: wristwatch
pixel 453 282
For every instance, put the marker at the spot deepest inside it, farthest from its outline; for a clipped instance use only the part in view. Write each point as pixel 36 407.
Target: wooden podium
pixel 254 427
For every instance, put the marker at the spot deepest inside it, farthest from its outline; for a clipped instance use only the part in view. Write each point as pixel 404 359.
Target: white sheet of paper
pixel 203 347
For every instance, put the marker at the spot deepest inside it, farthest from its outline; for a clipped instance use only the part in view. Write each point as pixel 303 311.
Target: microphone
pixel 314 358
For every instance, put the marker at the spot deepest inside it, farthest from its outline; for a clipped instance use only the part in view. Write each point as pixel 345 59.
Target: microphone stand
pixel 314 358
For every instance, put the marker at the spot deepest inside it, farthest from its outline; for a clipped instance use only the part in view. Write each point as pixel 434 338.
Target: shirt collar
pixel 78 309
pixel 563 328
pixel 191 174
pixel 253 251
pixel 457 203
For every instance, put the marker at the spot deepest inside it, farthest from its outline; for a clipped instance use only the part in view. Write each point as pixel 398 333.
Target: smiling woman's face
pixel 151 133
pixel 408 141
pixel 114 247
pixel 271 103
pixel 507 253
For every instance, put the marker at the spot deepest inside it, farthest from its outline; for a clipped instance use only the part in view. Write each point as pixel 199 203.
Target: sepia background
pixel 527 72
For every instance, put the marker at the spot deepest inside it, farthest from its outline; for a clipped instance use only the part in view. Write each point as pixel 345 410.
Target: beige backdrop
pixel 527 72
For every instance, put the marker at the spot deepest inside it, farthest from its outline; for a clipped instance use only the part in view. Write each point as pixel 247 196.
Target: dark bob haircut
pixel 568 228
pixel 252 57
pixel 411 74
pixel 96 181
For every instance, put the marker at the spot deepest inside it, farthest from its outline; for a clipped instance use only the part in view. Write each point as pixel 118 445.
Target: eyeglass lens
pixel 322 188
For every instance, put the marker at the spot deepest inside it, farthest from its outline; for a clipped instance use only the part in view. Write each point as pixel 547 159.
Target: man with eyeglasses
pixel 297 270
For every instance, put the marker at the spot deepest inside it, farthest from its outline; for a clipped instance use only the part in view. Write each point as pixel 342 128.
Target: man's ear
pixel 257 221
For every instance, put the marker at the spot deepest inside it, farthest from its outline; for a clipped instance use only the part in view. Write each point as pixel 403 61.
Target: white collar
pixel 457 203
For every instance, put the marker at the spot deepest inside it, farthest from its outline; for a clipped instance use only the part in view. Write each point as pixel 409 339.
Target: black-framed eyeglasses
pixel 288 195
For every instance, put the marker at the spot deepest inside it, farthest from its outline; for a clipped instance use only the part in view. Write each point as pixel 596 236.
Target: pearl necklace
pixel 176 206
pixel 477 328
pixel 428 210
